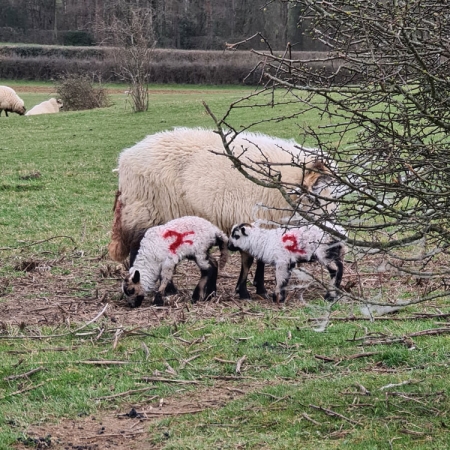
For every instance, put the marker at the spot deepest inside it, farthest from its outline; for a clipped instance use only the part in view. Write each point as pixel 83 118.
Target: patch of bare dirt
pixel 73 290
pixel 129 428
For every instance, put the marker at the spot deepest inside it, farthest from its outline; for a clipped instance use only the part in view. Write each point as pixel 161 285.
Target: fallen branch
pixel 124 394
pixel 187 361
pixel 38 242
pixel 22 391
pixel 418 316
pixel 304 415
pixel 103 362
pixel 391 385
pixel 127 434
pixel 168 380
pixel 173 413
pixel 23 375
pixel 431 332
pixel 346 358
pixel 239 364
pixel 330 412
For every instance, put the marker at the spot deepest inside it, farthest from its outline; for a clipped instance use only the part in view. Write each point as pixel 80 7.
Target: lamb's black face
pixel 133 289
pixel 237 232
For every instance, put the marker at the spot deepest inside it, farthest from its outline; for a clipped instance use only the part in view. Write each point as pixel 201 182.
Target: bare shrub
pixel 383 116
pixel 130 32
pixel 78 93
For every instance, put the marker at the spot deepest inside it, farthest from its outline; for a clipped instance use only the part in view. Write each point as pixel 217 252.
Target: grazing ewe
pixel 284 247
pixel 51 106
pixel 10 101
pixel 186 172
pixel 163 247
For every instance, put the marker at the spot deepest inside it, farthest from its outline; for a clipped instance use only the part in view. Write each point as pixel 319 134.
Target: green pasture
pixel 301 389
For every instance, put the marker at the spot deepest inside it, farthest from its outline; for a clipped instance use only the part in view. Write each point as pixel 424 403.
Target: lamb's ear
pixel 244 231
pixel 136 277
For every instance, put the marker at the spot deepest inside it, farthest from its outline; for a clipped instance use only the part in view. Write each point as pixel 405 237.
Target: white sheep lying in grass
pixel 285 247
pixel 163 247
pixel 51 106
pixel 10 101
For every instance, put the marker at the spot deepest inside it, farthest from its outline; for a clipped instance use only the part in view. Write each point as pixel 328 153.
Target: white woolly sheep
pixel 10 101
pixel 186 172
pixel 285 247
pixel 163 247
pixel 51 106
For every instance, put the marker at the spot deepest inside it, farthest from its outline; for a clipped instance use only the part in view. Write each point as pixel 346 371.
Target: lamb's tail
pixel 117 248
pixel 222 242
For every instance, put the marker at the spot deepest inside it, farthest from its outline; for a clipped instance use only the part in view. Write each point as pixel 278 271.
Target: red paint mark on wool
pixel 179 239
pixel 293 247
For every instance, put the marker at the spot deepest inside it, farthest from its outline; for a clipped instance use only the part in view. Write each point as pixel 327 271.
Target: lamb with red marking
pixel 163 247
pixel 284 247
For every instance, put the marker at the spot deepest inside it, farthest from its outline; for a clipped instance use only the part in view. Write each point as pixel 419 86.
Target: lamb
pixel 51 106
pixel 182 172
pixel 163 247
pixel 283 247
pixel 10 101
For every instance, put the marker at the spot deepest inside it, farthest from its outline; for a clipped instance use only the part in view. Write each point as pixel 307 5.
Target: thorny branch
pixel 380 92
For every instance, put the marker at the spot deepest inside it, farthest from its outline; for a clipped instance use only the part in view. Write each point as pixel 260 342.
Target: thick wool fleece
pixel 10 101
pixel 284 247
pixel 51 106
pixel 163 247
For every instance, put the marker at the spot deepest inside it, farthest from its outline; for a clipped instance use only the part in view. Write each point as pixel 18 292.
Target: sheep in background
pixel 185 172
pixel 163 247
pixel 10 101
pixel 285 247
pixel 51 106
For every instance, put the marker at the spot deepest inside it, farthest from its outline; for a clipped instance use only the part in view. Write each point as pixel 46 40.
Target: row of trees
pixel 187 24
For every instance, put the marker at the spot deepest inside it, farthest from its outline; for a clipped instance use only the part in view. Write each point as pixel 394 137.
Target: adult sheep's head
pixel 316 193
pixel 20 109
pixel 239 237
pixel 133 289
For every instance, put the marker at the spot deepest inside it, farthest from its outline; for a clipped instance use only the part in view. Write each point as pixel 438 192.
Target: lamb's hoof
pixel 277 300
pixel 243 294
pixel 171 289
pixel 158 300
pixel 331 298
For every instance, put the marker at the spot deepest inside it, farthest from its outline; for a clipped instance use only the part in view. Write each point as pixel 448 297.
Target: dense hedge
pixel 167 66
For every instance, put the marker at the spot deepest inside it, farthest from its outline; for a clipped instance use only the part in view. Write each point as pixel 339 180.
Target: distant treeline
pixel 166 66
pixel 187 24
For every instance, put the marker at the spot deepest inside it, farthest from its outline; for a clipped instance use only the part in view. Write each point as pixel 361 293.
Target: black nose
pixel 137 301
pixel 231 247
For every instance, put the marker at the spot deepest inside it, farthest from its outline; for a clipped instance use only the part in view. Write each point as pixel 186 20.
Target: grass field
pixel 223 374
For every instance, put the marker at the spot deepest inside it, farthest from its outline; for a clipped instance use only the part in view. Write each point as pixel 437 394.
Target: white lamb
pixel 10 101
pixel 285 247
pixel 163 247
pixel 51 106
pixel 185 172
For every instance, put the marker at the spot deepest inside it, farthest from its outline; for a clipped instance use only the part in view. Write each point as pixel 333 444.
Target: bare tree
pixel 383 92
pixel 129 30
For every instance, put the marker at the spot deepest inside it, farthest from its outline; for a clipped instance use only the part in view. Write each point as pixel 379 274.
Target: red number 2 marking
pixel 293 247
pixel 179 239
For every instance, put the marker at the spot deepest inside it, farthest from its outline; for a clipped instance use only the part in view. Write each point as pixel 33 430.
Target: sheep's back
pixel 185 172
